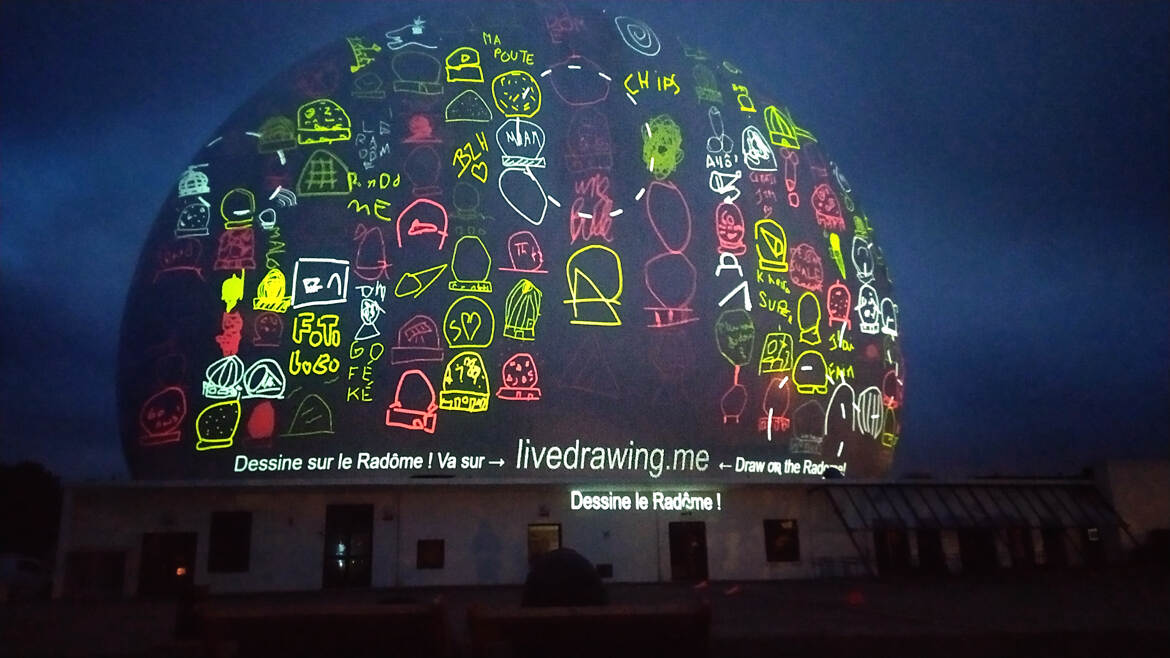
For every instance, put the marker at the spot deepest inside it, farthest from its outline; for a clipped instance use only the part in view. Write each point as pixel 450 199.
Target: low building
pixel 157 538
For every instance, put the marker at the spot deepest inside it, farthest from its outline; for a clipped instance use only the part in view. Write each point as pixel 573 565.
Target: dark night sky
pixel 1013 155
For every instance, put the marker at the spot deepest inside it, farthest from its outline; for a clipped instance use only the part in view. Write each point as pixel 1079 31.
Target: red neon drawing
pixel 319 79
pixel 730 229
pixel 181 255
pixel 418 340
pixel 827 208
pixel 524 254
pixel 369 261
pixel 520 377
pixel 237 250
pixel 791 160
pixel 805 268
pixel 670 276
pixel 734 400
pixel 839 302
pixel 588 144
pixel 589 216
pixel 422 130
pixel 774 405
pixel 430 217
pixel 261 423
pixel 892 390
pixel 561 23
pixel 232 326
pixel 161 416
pixel 422 413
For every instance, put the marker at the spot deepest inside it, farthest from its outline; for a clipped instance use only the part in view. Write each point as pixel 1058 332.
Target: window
pixel 429 554
pixel 231 542
pixel 781 540
pixel 542 538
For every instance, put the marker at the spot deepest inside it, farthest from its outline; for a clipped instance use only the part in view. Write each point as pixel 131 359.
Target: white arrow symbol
pixel 498 462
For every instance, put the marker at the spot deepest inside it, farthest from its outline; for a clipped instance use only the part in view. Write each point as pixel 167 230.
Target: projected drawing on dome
pixel 495 237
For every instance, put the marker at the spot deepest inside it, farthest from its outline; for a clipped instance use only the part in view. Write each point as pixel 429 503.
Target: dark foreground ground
pixel 1075 613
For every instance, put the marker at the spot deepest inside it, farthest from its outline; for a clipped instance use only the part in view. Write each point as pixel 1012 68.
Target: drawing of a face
pixel 322 121
pixel 828 211
pixel 863 259
pixel 162 414
pixel 868 310
pixel 267 329
pixel 729 228
pixel 838 304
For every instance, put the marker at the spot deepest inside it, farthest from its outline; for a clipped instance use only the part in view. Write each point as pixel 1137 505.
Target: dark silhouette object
pixel 832 473
pixel 30 510
pixel 563 577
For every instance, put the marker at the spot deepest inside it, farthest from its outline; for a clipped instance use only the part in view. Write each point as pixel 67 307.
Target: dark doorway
pixel 688 551
pixel 977 550
pixel 892 550
pixel 1055 556
pixel 931 558
pixel 168 563
pixel 1019 540
pixel 1094 543
pixel 349 543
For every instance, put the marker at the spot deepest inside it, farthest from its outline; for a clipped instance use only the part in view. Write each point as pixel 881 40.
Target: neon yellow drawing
pixel 522 310
pixel 465 384
pixel 599 308
pixel 516 94
pixel 413 284
pixel 661 146
pixel 324 174
pixel 771 246
pixel 463 65
pixel 782 130
pixel 810 374
pixel 470 266
pixel 270 293
pixel 216 425
pixel 322 121
pixel 361 53
pixel 468 157
pixel 808 317
pixel 277 133
pixel 469 323
pixel 835 253
pixel 231 291
pixel 744 99
pixel 776 355
pixel 237 208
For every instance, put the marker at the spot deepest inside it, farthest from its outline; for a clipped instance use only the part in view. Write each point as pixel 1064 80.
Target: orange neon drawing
pixel 419 412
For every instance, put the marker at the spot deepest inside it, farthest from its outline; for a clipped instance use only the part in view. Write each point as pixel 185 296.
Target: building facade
pixel 158 538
